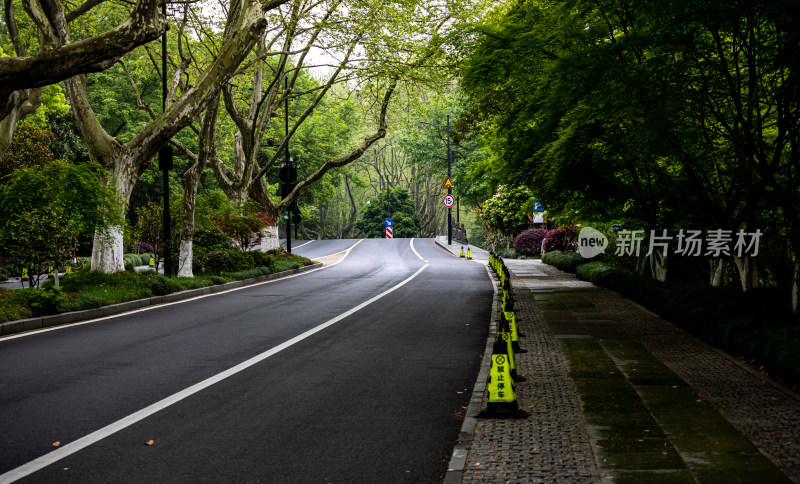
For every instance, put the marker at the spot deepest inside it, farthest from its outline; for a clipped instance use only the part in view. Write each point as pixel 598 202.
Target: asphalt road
pixel 335 375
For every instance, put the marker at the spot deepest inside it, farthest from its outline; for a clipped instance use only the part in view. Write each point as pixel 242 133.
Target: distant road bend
pixel 357 372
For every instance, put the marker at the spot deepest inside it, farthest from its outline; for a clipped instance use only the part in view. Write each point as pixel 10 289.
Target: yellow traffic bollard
pixel 512 326
pixel 501 398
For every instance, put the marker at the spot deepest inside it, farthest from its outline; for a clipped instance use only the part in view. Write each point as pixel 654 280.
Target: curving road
pixel 358 372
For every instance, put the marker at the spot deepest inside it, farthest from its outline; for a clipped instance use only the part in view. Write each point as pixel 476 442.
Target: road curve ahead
pixel 359 372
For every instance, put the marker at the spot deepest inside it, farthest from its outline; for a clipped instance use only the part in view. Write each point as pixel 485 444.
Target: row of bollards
pixel 50 271
pixel 501 398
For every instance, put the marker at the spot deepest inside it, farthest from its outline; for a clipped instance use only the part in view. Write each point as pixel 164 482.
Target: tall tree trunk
pixel 718 265
pixel 107 247
pixel 658 264
pixel 191 180
pixel 748 272
pixel 22 104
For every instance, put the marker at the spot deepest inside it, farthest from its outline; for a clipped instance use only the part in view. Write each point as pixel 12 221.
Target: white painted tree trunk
pixel 658 264
pixel 107 250
pixel 185 259
pixel 718 265
pixel 269 239
pixel 748 272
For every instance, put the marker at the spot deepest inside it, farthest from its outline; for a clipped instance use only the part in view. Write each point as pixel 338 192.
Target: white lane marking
pixel 98 435
pixel 161 305
pixel 415 251
pixel 303 244
pixel 345 251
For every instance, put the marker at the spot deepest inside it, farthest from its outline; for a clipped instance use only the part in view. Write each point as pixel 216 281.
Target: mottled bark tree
pixel 22 75
pixel 125 162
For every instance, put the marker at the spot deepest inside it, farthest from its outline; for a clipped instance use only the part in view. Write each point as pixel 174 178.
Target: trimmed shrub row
pixel 565 261
pixel 221 261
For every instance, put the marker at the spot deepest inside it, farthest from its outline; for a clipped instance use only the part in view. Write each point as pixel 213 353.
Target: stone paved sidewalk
pixel 762 411
pixel 562 318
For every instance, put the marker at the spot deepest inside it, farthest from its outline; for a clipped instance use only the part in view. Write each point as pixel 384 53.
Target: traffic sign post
pixel 389 232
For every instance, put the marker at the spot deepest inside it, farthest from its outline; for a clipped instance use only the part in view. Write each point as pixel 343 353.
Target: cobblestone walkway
pixel 552 445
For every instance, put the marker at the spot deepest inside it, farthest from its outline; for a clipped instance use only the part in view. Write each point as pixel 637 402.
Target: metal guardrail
pixel 460 233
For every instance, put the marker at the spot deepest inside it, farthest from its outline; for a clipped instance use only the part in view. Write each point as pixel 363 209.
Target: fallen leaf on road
pixel 56 443
pixel 149 442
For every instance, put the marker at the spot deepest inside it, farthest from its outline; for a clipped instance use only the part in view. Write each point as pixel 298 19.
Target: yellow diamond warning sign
pixel 447 184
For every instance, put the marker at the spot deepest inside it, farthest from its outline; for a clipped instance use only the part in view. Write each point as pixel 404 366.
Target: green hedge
pixel 757 325
pixel 566 261
pixel 593 271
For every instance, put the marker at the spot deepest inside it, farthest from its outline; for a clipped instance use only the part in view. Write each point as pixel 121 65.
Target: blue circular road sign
pixel 387 222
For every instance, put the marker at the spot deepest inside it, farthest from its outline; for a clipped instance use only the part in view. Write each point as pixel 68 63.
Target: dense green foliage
pixel 44 210
pixel 394 204
pixel 506 214
pixel 31 147
pixel 654 115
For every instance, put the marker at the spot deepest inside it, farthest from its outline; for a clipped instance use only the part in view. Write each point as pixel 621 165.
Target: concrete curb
pixel 458 460
pixel 40 322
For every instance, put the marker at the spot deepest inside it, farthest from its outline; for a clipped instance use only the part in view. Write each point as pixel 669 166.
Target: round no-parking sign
pixel 448 201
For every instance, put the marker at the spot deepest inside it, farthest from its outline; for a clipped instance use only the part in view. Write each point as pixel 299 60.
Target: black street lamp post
pixel 449 189
pixel 165 162
pixel 288 173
